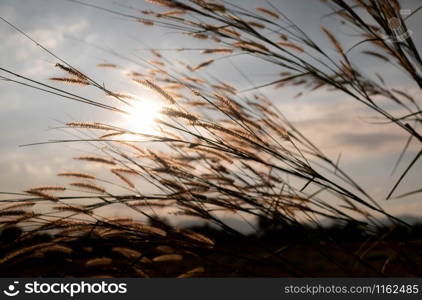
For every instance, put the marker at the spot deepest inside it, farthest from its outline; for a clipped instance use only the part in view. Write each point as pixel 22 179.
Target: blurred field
pixel 333 252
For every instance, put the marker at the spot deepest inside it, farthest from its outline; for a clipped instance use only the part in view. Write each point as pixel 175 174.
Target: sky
pixel 331 120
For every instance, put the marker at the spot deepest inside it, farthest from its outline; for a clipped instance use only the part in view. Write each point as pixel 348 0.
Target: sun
pixel 142 116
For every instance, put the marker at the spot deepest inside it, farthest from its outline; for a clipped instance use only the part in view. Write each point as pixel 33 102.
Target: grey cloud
pixel 369 141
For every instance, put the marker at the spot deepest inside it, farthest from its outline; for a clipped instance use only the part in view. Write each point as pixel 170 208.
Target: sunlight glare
pixel 141 118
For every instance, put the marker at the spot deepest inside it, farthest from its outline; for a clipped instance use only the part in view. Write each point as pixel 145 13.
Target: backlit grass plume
pixel 217 150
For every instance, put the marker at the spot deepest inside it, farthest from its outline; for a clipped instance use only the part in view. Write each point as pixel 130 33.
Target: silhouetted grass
pixel 218 150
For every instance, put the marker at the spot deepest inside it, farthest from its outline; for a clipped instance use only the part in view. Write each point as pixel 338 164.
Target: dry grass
pixel 221 151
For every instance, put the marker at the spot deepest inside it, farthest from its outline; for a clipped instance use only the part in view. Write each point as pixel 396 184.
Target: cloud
pixel 21 54
pixel 379 141
pixel 337 124
pixel 23 168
